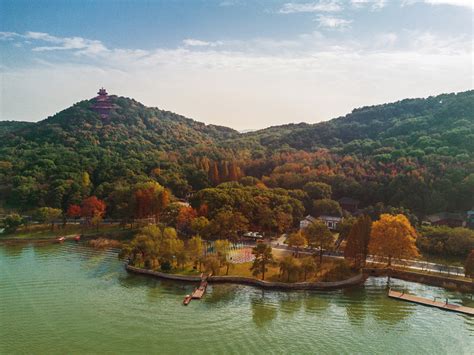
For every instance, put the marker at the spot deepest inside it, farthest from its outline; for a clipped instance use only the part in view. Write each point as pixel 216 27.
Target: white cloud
pixel 374 5
pixel 78 44
pixel 199 43
pixel 333 22
pixel 255 83
pixel 460 3
pixel 321 6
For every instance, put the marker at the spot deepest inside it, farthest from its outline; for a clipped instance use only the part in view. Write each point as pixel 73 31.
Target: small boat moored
pixel 77 238
pixel 60 239
pixel 187 299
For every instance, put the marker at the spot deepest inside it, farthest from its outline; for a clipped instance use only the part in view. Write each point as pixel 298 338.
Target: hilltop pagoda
pixel 102 104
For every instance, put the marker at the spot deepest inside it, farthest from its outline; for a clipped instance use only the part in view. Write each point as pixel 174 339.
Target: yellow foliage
pixel 393 236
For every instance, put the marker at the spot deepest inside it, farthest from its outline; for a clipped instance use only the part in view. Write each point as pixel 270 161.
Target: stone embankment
pixel 434 280
pixel 353 281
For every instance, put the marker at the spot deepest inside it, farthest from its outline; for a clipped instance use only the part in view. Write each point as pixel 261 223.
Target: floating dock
pixel 431 303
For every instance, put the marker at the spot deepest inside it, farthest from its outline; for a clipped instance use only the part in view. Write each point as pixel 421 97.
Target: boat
pixel 61 239
pixel 77 238
pixel 187 299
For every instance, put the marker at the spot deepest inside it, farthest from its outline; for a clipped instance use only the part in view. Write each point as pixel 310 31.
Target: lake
pixel 69 298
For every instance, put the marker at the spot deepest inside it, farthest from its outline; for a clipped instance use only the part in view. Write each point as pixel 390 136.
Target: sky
pixel 241 64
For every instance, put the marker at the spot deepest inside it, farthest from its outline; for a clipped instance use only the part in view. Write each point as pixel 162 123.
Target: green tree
pixel 222 247
pixel 47 215
pixel 288 265
pixel 196 249
pixel 358 241
pixel 263 259
pixel 318 235
pixel 227 224
pixel 344 227
pixel 318 190
pixel 297 240
pixel 200 225
pixel 469 265
pixel 326 207
pixel 12 222
pixel 212 264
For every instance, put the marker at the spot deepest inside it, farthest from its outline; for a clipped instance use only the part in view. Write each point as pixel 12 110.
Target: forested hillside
pixel 415 154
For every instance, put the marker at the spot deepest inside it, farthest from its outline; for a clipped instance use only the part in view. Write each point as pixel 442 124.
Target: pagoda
pixel 102 104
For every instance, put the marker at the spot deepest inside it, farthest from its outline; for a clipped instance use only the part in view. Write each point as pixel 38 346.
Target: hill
pixel 415 154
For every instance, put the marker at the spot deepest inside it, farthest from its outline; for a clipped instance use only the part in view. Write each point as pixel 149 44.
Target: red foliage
pixel 74 211
pixel 144 199
pixel 92 207
pixel 185 216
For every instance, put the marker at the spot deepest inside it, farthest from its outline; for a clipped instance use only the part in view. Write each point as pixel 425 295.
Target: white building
pixel 330 221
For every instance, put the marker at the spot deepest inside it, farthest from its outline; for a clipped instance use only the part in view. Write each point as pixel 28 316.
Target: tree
pixel 289 266
pixel 344 227
pixel 74 211
pixel 200 226
pixel 47 215
pixel 308 265
pixel 284 221
pixel 318 190
pixel 326 207
pixel 297 240
pixel 393 236
pixel 195 249
pixel 227 224
pixel 212 264
pixel 469 265
pixel 263 258
pixel 358 241
pixel 318 235
pixel 185 218
pixel 92 207
pixel 222 249
pixel 12 222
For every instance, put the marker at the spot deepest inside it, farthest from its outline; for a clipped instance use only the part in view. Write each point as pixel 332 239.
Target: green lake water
pixel 67 299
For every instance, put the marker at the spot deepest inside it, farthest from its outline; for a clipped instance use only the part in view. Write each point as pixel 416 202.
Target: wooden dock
pixel 198 293
pixel 431 303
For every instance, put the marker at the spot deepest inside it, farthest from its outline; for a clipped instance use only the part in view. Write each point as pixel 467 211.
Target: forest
pixel 413 157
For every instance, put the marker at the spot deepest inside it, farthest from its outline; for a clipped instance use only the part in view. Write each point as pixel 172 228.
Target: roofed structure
pixel 102 104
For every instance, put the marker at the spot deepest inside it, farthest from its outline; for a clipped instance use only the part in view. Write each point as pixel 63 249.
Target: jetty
pixel 431 303
pixel 198 293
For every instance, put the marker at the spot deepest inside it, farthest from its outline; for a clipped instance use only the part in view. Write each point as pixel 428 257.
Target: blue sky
pixel 243 64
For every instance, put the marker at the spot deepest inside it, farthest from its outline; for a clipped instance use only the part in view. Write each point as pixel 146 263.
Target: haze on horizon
pixel 241 64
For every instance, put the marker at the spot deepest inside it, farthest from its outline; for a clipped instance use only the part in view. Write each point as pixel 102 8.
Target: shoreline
pixel 334 285
pixel 433 280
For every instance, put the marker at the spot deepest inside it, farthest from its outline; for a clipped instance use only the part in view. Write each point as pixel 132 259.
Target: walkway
pixel 431 303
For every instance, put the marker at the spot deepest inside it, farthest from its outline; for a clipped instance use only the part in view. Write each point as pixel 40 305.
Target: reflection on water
pixel 262 314
pixel 70 298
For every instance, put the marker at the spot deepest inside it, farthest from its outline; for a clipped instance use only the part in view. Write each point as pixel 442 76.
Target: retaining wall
pixel 434 280
pixel 356 280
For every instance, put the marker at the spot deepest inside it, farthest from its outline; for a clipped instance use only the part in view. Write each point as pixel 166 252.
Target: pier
pixel 198 293
pixel 431 303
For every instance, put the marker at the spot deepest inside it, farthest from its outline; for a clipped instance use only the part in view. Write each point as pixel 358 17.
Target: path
pixel 431 303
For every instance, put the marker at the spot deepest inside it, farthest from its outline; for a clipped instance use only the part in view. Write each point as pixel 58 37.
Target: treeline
pixel 445 241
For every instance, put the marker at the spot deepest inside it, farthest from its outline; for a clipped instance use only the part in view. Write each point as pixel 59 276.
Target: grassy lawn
pixel 330 270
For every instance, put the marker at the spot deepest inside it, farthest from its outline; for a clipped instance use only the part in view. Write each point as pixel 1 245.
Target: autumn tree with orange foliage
pixel 185 216
pixel 393 236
